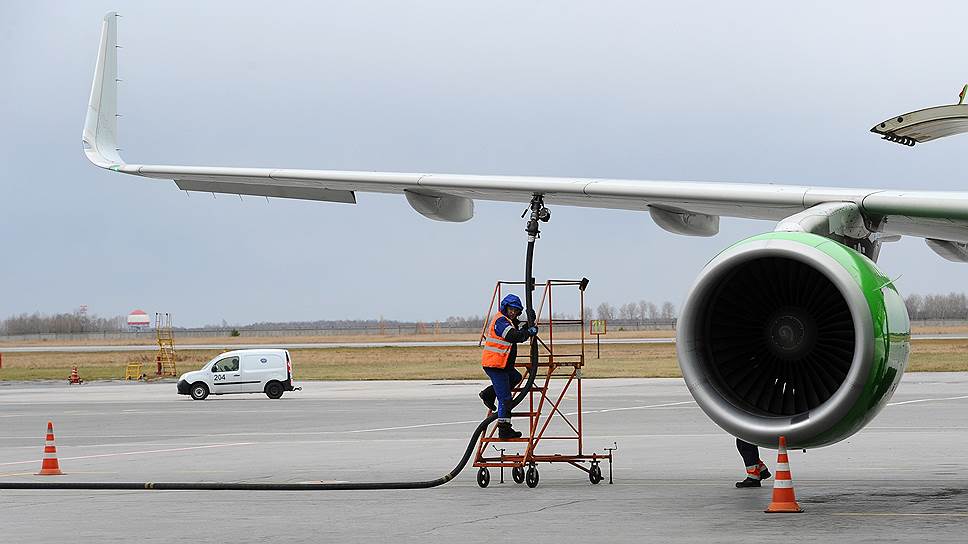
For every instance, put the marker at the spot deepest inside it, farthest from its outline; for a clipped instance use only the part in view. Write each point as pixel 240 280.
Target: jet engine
pixel 792 334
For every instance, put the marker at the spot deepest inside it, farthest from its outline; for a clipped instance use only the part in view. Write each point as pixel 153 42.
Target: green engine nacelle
pixel 792 334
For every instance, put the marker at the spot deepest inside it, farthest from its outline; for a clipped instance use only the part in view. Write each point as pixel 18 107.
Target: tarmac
pixel 901 479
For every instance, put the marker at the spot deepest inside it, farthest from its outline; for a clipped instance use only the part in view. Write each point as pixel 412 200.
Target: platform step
pixel 496 439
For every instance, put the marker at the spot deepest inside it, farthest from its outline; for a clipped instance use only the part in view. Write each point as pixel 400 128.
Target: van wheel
pixel 199 391
pixel 274 390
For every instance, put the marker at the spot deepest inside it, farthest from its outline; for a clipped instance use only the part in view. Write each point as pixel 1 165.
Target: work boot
pixel 765 473
pixel 488 396
pixel 748 482
pixel 504 431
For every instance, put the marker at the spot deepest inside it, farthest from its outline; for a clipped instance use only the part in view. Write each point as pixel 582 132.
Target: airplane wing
pixel 682 207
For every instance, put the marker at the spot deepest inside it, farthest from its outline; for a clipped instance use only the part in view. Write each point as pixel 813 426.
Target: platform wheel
pixel 595 474
pixel 483 477
pixel 517 473
pixel 531 478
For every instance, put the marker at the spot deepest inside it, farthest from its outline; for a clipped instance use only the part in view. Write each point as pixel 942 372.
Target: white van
pixel 266 371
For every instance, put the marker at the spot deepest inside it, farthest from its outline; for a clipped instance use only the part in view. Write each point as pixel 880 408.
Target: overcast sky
pixel 733 91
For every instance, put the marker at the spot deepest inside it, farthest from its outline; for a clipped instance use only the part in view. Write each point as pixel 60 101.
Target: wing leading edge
pixel 682 207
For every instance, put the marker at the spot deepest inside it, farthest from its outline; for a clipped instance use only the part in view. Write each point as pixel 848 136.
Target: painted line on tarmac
pixel 441 424
pixel 645 407
pixel 66 473
pixel 145 452
pixel 913 428
pixel 68 437
pixel 423 425
pixel 925 400
pixel 903 514
pixel 121 444
pixel 409 426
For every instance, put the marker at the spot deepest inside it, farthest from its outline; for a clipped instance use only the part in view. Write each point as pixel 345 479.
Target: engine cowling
pixel 792 334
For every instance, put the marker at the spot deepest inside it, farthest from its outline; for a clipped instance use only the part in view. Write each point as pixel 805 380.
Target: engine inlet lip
pixel 703 385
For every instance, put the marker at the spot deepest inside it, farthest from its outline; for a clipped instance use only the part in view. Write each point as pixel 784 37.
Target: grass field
pixel 334 338
pixel 228 341
pixel 411 363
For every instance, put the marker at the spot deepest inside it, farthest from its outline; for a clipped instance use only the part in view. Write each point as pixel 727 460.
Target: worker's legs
pixel 500 381
pixel 514 377
pixel 489 396
pixel 755 468
pixel 749 452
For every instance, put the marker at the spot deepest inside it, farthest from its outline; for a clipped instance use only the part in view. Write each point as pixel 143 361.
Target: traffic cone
pixel 74 378
pixel 784 499
pixel 50 467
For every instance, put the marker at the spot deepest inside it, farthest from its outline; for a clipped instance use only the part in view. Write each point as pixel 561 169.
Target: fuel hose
pixel 538 213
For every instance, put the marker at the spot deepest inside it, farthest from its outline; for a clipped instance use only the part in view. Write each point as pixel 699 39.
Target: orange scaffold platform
pixel 554 433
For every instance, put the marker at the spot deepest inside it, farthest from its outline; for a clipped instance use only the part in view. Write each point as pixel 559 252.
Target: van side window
pixel 228 364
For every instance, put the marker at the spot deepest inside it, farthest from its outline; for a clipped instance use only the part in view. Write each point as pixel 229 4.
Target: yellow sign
pixel 596 326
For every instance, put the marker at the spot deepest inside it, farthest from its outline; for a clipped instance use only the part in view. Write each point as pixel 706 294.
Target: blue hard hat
pixel 512 301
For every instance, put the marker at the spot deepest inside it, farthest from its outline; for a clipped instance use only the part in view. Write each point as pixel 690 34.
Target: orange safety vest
pixel 496 349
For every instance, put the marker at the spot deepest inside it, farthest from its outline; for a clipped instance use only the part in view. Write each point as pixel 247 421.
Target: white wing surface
pixel 682 207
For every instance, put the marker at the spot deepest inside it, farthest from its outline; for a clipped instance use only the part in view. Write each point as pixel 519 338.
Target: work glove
pixel 532 331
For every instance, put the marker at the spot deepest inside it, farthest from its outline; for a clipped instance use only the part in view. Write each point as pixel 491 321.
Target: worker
pixel 500 350
pixel 755 468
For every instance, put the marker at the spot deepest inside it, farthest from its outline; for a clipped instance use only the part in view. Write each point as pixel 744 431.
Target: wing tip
pixel 99 138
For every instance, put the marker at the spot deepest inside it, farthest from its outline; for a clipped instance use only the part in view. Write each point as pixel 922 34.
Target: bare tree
pixel 668 311
pixel 627 311
pixel 588 312
pixel 606 311
pixel 937 306
pixel 642 310
pixel 914 305
pixel 75 322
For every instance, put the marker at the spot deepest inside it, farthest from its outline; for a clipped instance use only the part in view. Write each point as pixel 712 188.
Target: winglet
pixel 101 124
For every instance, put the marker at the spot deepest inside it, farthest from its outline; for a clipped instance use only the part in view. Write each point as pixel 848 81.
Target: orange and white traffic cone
pixel 784 499
pixel 74 378
pixel 50 467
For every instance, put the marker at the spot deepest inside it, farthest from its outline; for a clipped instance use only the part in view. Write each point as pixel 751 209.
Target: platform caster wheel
pixel 531 478
pixel 518 474
pixel 483 477
pixel 595 474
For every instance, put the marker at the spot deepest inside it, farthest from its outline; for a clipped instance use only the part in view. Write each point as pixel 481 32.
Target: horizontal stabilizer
pixel 925 125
